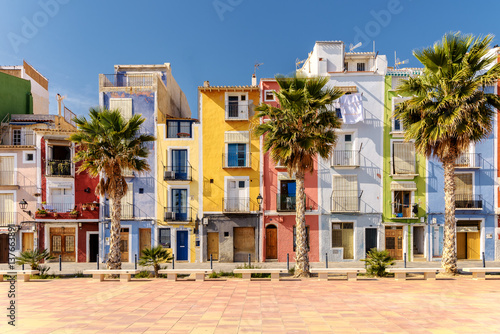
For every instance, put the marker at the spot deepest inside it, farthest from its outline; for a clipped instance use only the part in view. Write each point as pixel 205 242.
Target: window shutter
pixel 237 137
pixel 6 171
pixel 6 209
pixel 463 184
pixel 403 158
pixel 124 105
pixel 345 193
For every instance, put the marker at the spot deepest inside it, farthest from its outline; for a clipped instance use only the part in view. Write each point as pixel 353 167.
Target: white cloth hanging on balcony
pixel 351 108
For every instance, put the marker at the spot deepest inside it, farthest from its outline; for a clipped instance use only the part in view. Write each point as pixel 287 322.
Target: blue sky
pixel 217 40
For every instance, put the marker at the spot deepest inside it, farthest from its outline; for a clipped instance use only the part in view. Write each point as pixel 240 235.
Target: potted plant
pixel 84 206
pixel 56 214
pixel 94 206
pixel 73 213
pixel 41 212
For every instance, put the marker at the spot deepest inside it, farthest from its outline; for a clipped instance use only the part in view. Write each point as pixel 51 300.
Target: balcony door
pixel 237 193
pixel 61 200
pixel 232 102
pixel 345 156
pixel 180 164
pixel 179 204
pixel 402 204
pixel 288 190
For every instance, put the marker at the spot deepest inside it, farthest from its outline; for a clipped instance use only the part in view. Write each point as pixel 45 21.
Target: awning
pixel 347 89
pixel 403 185
pixel 237 137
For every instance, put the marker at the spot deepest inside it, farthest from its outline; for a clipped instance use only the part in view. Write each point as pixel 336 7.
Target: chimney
pixel 206 83
pixel 254 80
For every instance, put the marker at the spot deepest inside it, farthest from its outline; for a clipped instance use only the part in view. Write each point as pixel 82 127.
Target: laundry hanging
pixel 351 108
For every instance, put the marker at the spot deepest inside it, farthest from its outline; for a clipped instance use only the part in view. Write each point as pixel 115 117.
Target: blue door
pixel 182 245
pixel 179 204
pixel 179 164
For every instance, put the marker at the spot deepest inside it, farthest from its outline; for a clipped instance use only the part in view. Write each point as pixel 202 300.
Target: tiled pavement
pixel 77 305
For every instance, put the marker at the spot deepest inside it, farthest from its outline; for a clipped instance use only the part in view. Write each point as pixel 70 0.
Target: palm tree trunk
pixel 449 258
pixel 302 253
pixel 114 257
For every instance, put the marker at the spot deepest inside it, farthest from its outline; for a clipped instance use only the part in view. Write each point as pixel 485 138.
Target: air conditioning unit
pixel 168 175
pixel 169 216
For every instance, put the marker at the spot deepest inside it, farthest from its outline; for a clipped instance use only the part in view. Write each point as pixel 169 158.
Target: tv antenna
pixel 256 66
pixel 352 47
pixel 298 62
pixel 398 62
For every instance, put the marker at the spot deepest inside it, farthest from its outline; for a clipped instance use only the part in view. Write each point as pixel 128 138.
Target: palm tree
pixel 106 144
pixel 449 109
pixel 154 257
pixel 295 133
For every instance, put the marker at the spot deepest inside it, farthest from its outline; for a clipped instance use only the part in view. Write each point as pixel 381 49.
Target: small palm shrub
pixel 33 258
pixel 154 257
pixel 377 262
pixel 143 274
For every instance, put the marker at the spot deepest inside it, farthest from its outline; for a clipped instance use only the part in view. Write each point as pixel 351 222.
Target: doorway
pixel 182 246
pixel 418 243
pixel 93 247
pixel 394 241
pixel 271 242
pixel 244 244
pixel 4 248
pixel 468 240
pixel 144 239
pixel 370 239
pixel 27 241
pixel 62 242
pixel 124 244
pixel 213 246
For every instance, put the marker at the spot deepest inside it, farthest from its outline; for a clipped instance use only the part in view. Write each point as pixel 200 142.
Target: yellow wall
pixel 214 126
pixel 192 145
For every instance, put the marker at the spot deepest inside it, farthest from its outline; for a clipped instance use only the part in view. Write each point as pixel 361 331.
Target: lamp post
pixel 259 201
pixel 24 205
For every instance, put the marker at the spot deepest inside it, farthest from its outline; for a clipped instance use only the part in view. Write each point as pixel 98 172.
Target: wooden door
pixel 271 242
pixel 370 239
pixel 244 244
pixel 473 246
pixel 144 239
pixel 124 244
pixel 62 242
pixel 4 248
pixel 394 242
pixel 461 245
pixel 27 241
pixel 213 245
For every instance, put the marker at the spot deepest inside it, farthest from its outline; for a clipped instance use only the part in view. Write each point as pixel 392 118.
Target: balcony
pixel 237 112
pixel 236 205
pixel 177 173
pixel 7 178
pixel 178 214
pixel 468 160
pixel 126 80
pixel 62 168
pixel 67 211
pixel 7 218
pixel 236 160
pixel 468 202
pixel 345 158
pixel 15 137
pixel 128 211
pixel 404 210
pixel 285 202
pixel 403 170
pixel 348 203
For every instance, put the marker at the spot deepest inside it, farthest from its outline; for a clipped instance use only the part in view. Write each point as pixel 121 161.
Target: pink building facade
pixel 278 190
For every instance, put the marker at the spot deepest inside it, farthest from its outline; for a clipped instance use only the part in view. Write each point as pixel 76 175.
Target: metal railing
pixel 236 111
pixel 236 160
pixel 236 204
pixel 467 160
pixel 404 210
pixel 472 202
pixel 126 80
pixel 7 178
pixel 348 203
pixel 59 168
pixel 345 158
pixel 285 202
pixel 177 173
pixel 178 214
pixel 69 116
pixel 7 218
pixel 57 207
pixel 23 138
pixel 127 211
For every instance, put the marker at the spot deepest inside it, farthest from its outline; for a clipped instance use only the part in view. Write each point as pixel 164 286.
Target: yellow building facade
pixel 230 229
pixel 178 192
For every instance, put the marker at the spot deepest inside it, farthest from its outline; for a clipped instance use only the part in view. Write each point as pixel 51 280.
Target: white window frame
pixel 357 189
pixel 358 65
pixel 237 178
pixel 396 133
pixel 354 239
pixel 402 176
pixel 245 115
pixel 7 155
pixel 473 186
pixel 393 200
pixel 25 154
pixel 272 93
pixel 123 99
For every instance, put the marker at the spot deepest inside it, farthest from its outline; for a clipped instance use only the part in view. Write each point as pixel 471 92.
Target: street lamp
pixel 23 205
pixel 259 200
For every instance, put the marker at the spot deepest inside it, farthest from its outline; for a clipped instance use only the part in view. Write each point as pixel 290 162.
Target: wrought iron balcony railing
pixel 236 111
pixel 7 178
pixel 178 214
pixel 348 203
pixel 177 173
pixel 7 218
pixel 285 202
pixel 405 210
pixel 345 158
pixel 468 202
pixel 59 168
pixel 467 160
pixel 126 80
pixel 236 204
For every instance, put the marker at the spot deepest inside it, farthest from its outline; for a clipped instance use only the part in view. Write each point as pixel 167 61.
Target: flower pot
pixel 41 215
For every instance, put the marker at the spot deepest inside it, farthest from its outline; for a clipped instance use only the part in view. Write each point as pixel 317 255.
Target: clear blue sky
pixel 216 40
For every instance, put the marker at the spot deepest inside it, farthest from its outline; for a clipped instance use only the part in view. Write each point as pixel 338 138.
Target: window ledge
pixel 412 218
pixel 404 176
pixel 345 167
pixel 397 134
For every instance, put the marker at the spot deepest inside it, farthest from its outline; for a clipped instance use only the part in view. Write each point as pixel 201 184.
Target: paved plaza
pixel 78 305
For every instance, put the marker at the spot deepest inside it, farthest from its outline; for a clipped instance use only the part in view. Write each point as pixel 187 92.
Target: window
pixel 7 173
pixel 403 158
pixel 56 244
pixel 69 243
pixel 342 237
pixel 464 190
pixel 6 209
pixel 29 157
pixel 268 95
pixel 338 113
pixel 16 137
pixel 179 129
pixel 236 107
pixel 236 156
pixel 123 105
pixel 397 125
pixel 346 66
pixel 360 67
pixel 344 154
pixel 164 235
pixel 287 195
pixel 295 236
pixel 345 193
pixel 402 205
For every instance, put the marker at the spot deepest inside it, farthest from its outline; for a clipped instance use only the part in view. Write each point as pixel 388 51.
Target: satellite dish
pixel 398 62
pixel 352 47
